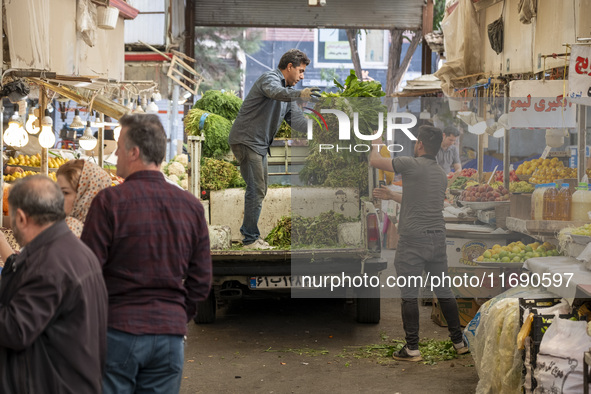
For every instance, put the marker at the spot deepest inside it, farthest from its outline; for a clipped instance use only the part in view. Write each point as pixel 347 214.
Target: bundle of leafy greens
pixel 280 236
pixel 219 174
pixel 214 128
pixel 220 102
pixel 344 167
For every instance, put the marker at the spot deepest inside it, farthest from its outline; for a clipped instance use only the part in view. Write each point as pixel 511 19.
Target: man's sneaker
pixel 406 354
pixel 258 244
pixel 461 348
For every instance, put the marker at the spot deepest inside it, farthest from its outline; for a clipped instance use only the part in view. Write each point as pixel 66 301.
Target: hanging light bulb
pixel 130 104
pixel 152 108
pixel 157 96
pixel 47 137
pixel 88 140
pixel 12 135
pixel 77 121
pixel 32 125
pixel 117 132
pixel 138 109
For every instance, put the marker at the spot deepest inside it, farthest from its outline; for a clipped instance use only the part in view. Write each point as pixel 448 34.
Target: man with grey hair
pixel 448 156
pixel 153 243
pixel 53 300
pixel 270 101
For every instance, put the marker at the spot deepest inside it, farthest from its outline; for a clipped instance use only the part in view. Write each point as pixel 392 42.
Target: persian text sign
pixel 579 75
pixel 540 104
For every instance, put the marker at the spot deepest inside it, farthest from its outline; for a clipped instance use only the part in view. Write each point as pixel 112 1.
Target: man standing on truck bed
pixel 422 235
pixel 269 102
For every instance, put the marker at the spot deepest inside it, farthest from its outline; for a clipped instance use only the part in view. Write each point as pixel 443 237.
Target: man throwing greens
pixel 270 101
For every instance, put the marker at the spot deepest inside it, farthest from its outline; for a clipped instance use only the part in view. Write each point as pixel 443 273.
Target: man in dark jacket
pixel 53 300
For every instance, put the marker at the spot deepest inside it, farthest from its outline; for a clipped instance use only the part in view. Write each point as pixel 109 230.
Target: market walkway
pixel 313 346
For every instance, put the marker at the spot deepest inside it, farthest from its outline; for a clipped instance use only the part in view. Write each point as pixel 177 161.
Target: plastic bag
pixel 492 338
pixel 559 365
pixel 86 21
pixel 461 35
pixel 495 35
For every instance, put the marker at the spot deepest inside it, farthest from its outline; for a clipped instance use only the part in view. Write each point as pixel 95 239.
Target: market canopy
pixel 344 14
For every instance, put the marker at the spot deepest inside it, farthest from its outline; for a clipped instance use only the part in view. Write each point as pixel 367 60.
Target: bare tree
pixel 396 68
pixel 352 36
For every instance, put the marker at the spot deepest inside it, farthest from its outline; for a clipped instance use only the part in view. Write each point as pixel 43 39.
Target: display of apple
pixel 485 193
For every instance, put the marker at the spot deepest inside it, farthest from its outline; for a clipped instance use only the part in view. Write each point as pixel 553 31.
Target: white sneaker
pixel 258 244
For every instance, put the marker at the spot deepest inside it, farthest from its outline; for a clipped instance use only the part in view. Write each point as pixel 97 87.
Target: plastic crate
pixel 535 303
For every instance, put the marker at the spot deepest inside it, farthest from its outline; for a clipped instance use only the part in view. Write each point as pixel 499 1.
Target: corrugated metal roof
pixel 148 28
pixel 369 14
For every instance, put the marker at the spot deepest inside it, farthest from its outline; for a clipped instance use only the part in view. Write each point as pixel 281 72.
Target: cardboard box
pixel 392 237
pixel 467 307
pixel 520 206
pixel 461 252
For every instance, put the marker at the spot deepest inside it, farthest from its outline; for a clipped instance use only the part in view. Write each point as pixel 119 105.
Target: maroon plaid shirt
pixel 149 236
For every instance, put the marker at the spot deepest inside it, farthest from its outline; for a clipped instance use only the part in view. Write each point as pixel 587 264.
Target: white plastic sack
pixel 86 21
pixel 559 365
pixel 492 338
pixel 461 35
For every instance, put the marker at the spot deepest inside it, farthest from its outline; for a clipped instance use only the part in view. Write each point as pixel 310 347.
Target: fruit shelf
pixel 29 168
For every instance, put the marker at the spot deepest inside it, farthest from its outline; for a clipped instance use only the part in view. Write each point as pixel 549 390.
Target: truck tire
pixel 206 310
pixel 368 308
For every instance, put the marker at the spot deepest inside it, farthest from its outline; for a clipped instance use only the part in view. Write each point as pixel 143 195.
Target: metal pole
pixel 582 134
pixel 480 159
pixel 174 120
pixel 44 151
pixel 101 141
pixel 506 149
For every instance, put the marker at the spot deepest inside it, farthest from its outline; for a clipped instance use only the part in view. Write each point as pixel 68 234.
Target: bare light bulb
pixel 32 124
pixel 15 134
pixel 88 140
pixel 117 132
pixel 47 137
pixel 77 121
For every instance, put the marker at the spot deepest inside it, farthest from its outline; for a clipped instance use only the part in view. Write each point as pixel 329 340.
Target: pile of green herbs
pixel 303 232
pixel 344 167
pixel 219 174
pixel 216 130
pixel 220 102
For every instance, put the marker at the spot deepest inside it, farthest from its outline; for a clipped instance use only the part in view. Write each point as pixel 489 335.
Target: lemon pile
pixel 19 175
pixel 35 161
pixel 545 170
pixel 521 187
pixel 583 230
pixel 517 252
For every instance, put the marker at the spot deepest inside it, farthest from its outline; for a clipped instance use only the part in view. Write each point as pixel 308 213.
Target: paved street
pixel 312 346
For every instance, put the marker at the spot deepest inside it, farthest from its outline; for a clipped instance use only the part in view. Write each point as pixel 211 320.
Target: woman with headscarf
pixel 80 182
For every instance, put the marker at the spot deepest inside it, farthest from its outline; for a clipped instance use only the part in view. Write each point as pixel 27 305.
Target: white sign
pixel 540 104
pixel 579 75
pixel 337 50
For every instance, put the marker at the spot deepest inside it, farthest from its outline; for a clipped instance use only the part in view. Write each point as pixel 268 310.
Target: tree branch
pixel 352 37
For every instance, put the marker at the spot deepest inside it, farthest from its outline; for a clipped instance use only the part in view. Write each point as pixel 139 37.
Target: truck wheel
pixel 206 310
pixel 368 309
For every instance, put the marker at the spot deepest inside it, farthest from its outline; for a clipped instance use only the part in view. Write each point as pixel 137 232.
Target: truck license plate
pixel 274 282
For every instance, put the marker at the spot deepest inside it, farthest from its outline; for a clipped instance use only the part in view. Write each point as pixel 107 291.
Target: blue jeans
pixel 253 168
pixel 415 254
pixel 143 363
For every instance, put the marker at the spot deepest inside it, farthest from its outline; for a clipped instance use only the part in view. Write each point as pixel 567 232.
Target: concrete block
pixel 220 237
pixel 349 234
pixel 227 206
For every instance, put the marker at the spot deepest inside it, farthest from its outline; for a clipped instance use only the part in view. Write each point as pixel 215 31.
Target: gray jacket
pixel 266 105
pixel 53 317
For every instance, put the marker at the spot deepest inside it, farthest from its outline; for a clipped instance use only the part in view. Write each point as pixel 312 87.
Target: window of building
pixel 331 48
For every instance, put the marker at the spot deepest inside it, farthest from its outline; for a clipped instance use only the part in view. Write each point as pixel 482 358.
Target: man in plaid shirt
pixel 152 240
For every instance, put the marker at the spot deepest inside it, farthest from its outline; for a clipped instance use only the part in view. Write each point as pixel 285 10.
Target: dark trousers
pixel 415 254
